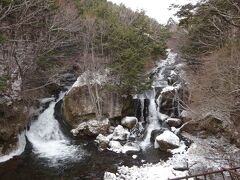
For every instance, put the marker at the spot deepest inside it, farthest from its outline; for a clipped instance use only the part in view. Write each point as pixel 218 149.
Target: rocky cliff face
pixel 13 120
pixel 78 108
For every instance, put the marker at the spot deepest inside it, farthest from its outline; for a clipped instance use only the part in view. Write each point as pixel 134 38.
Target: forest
pixel 91 89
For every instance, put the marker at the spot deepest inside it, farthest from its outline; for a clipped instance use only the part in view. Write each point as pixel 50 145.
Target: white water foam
pixel 48 140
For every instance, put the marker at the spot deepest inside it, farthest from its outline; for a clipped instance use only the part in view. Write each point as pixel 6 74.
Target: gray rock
pixel 109 176
pixel 115 146
pixel 174 122
pixel 186 116
pixel 156 133
pixel 120 133
pixel 78 108
pixel 129 122
pixel 210 124
pixel 92 128
pixel 167 140
pixel 181 168
pixel 102 141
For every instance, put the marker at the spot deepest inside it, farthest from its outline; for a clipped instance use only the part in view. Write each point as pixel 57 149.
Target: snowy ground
pixel 203 154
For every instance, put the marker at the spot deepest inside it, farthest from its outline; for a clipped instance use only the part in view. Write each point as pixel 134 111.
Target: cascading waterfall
pixel 160 81
pixel 153 123
pixel 48 140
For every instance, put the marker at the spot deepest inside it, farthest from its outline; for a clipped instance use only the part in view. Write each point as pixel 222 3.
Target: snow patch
pixel 202 154
pixel 89 77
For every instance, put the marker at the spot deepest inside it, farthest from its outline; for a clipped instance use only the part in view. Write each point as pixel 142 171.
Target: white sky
pixel 157 9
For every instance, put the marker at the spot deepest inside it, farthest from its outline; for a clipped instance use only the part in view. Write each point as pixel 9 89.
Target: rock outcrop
pixel 210 124
pixel 78 107
pixel 13 120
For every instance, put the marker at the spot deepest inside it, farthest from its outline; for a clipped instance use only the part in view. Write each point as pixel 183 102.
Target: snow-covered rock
pixel 115 146
pixel 109 176
pixel 91 128
pixel 204 154
pixel 102 142
pixel 167 140
pixel 120 133
pixel 131 147
pixel 156 133
pixel 92 78
pixel 129 122
pixel 134 156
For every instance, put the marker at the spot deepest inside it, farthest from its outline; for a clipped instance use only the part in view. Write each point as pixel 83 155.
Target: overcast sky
pixel 157 9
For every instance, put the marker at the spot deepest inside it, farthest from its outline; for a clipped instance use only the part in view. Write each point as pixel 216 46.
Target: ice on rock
pixel 131 147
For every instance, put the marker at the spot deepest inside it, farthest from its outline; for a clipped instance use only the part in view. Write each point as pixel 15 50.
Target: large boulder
pixel 191 127
pixel 78 107
pixel 209 123
pixel 129 122
pixel 166 100
pixel 156 133
pixel 91 128
pixel 167 140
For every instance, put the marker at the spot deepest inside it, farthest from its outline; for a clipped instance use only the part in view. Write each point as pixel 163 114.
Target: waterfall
pixel 153 123
pixel 19 150
pixel 160 81
pixel 48 140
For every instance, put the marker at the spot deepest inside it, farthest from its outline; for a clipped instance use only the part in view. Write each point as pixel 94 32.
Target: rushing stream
pixel 48 140
pixel 50 153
